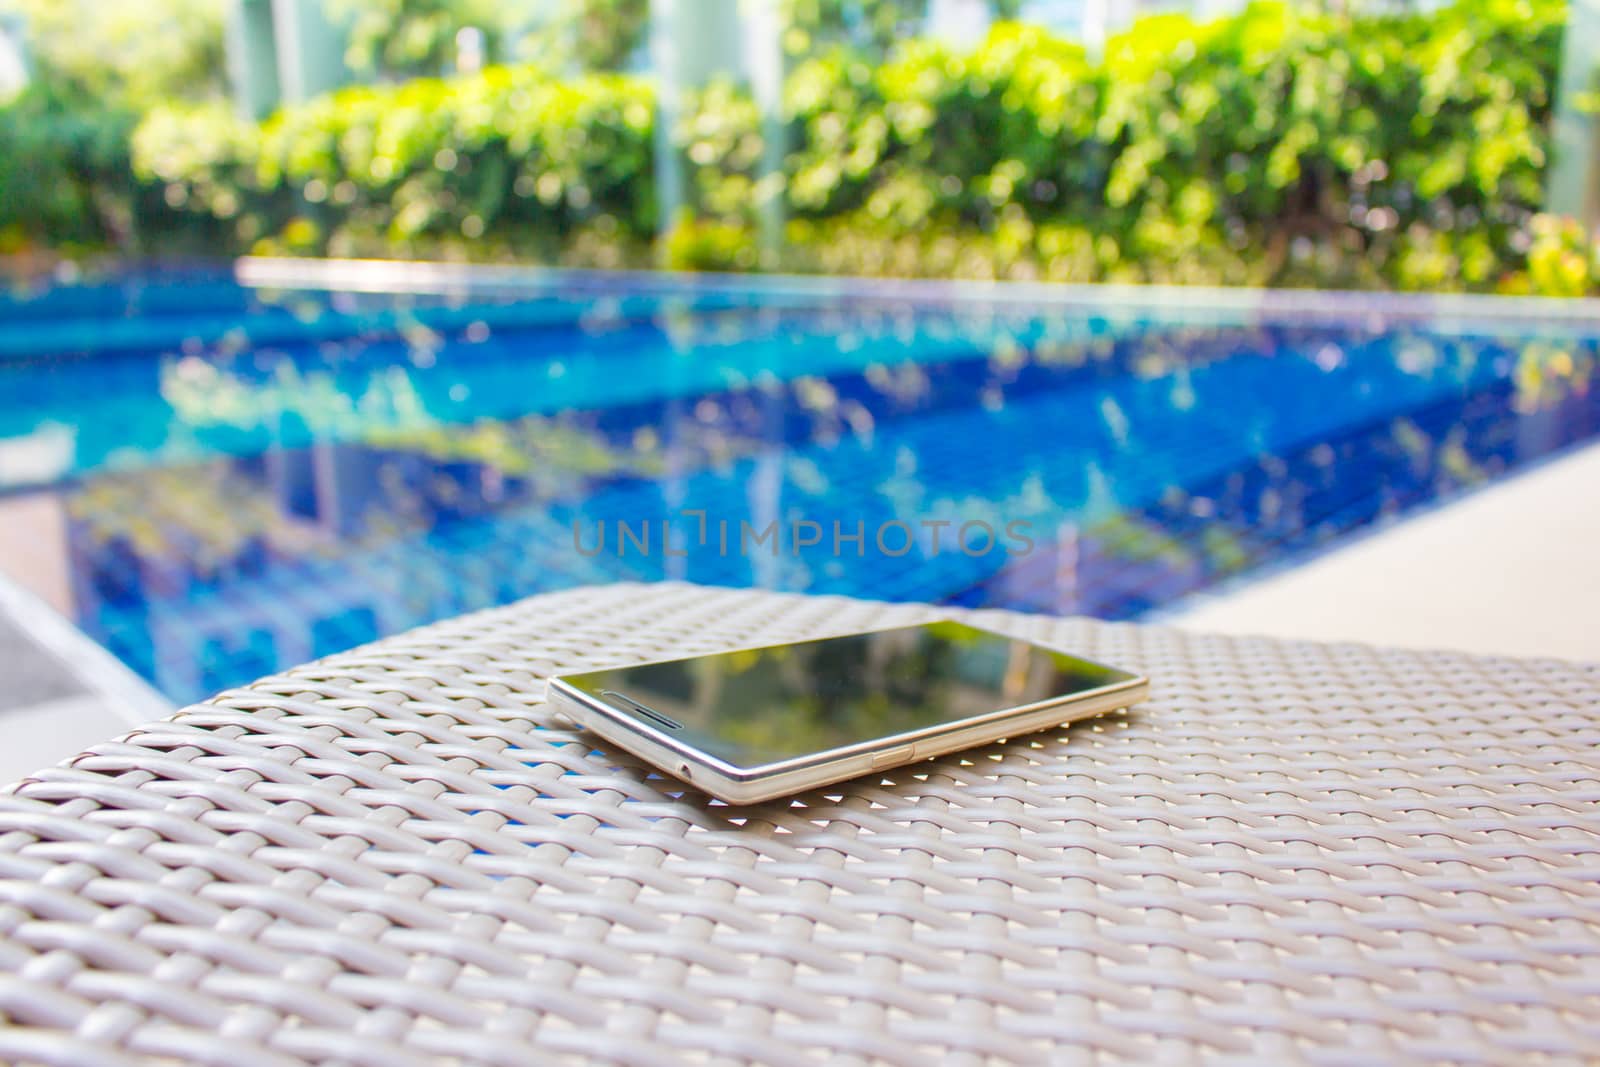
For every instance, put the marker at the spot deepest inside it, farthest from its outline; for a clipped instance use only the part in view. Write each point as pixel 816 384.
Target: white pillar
pixel 693 42
pixel 252 55
pixel 283 51
pixel 15 70
pixel 1573 182
pixel 310 49
pixel 763 50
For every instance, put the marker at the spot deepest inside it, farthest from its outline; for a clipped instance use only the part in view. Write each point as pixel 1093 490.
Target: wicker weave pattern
pixel 397 855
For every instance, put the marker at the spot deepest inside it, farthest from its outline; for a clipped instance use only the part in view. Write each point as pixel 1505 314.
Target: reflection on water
pixel 223 504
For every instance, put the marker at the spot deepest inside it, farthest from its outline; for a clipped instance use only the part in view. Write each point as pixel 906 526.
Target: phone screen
pixel 761 706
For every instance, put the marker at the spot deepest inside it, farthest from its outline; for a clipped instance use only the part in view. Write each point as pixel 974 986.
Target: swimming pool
pixel 216 479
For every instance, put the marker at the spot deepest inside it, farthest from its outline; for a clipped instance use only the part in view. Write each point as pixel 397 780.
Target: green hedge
pixel 507 164
pixel 1278 146
pixel 64 174
pixel 1274 147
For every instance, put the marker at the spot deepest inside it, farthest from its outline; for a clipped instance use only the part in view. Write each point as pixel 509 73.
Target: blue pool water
pixel 217 481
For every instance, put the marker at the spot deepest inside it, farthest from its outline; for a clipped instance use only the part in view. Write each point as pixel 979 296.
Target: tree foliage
pixel 398 39
pixel 607 33
pixel 63 172
pixel 1282 145
pixel 125 54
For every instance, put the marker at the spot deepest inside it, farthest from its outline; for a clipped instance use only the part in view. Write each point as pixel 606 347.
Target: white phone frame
pixel 748 785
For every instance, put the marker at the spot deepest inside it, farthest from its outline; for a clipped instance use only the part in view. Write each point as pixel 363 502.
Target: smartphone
pixel 759 723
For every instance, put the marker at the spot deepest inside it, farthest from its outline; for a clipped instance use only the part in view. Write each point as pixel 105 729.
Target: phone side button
pixel 892 757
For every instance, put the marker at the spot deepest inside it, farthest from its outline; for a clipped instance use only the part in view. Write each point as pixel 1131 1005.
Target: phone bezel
pixel 747 785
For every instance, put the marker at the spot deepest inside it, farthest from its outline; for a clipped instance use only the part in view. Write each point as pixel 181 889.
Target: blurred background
pixel 325 319
pixel 1403 144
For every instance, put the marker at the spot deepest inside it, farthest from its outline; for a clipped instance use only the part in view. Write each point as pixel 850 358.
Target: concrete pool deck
pixel 1511 569
pixel 60 692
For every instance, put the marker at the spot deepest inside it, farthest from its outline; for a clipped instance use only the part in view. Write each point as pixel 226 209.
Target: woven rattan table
pixel 1292 852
